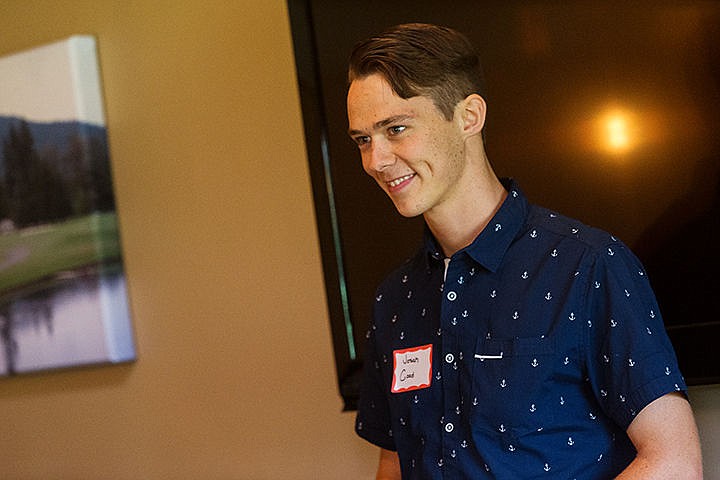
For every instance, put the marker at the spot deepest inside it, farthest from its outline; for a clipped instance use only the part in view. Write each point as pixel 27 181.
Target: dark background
pixel 554 71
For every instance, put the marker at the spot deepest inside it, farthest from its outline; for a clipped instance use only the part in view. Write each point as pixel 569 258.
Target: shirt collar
pixel 488 248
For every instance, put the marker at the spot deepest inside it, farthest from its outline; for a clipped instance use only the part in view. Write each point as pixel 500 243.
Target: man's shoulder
pixel 563 227
pixel 409 268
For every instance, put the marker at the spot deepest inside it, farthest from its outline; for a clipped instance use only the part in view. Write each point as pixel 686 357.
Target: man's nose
pixel 378 157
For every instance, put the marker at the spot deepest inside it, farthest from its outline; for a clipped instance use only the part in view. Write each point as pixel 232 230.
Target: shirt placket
pixel 451 315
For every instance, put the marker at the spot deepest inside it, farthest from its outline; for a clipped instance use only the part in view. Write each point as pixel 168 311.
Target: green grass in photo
pixel 37 253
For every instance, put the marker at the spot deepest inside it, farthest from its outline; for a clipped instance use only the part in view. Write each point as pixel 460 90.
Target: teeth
pixel 400 180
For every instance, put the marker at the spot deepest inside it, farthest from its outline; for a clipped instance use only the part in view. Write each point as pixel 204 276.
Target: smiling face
pixel 407 146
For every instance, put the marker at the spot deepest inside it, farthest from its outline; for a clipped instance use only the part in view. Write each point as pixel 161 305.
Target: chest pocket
pixel 512 385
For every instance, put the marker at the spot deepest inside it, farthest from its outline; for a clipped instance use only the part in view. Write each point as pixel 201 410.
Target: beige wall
pixel 235 377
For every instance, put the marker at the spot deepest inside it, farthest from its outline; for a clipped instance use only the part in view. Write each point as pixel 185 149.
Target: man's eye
pixel 397 129
pixel 362 140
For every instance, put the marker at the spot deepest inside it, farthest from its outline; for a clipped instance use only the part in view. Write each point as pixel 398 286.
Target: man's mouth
pixel 398 181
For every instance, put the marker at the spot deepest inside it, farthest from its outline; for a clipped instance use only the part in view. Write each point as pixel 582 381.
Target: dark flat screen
pixel 608 112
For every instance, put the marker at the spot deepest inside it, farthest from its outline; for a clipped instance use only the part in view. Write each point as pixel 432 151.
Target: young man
pixel 517 343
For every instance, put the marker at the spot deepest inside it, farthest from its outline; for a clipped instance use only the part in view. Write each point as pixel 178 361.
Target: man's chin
pixel 408 211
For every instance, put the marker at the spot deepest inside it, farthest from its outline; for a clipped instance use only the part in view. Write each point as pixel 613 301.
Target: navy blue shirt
pixel 525 355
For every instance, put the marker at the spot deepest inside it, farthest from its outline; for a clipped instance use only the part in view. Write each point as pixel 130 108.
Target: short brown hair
pixel 421 59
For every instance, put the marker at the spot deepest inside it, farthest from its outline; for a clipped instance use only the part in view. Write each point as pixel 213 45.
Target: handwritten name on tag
pixel 412 369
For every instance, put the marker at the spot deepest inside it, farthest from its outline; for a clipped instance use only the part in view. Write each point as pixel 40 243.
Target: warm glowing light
pixel 618 132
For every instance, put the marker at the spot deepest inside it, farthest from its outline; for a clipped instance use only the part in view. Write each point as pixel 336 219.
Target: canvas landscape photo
pixel 63 294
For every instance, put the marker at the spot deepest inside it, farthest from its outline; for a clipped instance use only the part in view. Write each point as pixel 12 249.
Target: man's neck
pixel 456 229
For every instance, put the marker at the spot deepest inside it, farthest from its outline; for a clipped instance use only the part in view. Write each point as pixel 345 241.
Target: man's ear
pixel 473 110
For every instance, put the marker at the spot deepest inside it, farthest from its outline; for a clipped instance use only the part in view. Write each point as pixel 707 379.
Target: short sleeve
pixel 631 361
pixel 373 416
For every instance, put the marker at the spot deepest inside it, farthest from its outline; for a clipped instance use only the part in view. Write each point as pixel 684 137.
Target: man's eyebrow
pixel 383 123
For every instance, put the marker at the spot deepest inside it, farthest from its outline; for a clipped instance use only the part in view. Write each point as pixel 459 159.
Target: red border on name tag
pixel 424 380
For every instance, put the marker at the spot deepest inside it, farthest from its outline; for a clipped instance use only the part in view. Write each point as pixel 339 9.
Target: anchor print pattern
pixel 533 299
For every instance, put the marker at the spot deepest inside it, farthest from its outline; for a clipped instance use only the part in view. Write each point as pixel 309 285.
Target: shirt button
pixel 449 427
pixel 451 296
pixel 449 358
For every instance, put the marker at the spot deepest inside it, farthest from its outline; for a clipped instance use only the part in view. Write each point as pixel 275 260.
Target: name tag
pixel 412 369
